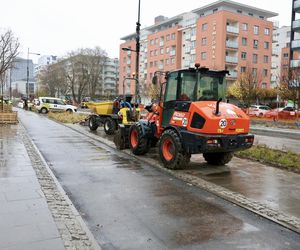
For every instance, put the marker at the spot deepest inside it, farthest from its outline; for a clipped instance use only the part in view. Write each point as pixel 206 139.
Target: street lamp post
pixel 137 51
pixel 27 78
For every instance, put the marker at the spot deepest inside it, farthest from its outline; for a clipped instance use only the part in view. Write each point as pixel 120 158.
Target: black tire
pixel 70 111
pixel 171 151
pixel 93 124
pixel 119 140
pixel 138 142
pixel 110 126
pixel 44 111
pixel 218 158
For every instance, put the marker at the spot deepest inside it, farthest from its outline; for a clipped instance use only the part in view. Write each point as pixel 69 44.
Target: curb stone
pixel 74 232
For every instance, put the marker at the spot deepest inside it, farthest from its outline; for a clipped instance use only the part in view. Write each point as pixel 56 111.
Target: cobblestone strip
pixel 69 223
pixel 288 221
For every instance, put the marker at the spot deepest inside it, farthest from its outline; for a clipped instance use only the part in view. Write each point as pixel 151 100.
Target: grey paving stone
pixel 51 244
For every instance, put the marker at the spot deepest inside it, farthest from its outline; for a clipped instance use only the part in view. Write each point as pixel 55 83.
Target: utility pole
pixel 137 61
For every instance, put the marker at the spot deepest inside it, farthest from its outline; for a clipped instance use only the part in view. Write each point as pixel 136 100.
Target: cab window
pixel 171 88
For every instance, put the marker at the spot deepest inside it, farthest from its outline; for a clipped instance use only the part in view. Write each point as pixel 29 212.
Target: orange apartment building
pixel 222 35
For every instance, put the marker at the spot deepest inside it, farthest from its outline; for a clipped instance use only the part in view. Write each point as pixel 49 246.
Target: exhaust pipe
pixel 217 106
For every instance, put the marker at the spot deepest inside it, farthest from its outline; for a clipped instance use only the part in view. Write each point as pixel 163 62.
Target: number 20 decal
pixel 223 123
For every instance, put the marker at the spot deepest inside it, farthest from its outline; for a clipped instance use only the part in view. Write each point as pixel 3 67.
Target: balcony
pixel 295 45
pixel 232 44
pixel 231 59
pixel 172 53
pixel 193 38
pixel 275 52
pixel 296 25
pixel 232 29
pixel 297 6
pixel 232 74
pixel 193 51
pixel 295 63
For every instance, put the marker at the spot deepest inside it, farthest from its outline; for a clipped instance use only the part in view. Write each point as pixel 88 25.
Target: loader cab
pixel 186 86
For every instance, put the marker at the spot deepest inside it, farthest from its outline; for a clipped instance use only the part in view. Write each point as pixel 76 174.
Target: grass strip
pixel 66 117
pixel 262 153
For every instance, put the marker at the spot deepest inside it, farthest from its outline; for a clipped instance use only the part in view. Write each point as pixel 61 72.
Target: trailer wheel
pixel 93 124
pixel 218 158
pixel 138 143
pixel 110 126
pixel 171 152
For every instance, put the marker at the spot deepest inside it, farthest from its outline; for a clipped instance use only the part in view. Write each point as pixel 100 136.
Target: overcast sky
pixel 55 27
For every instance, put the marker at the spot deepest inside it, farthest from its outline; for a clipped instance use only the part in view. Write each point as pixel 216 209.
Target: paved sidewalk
pixel 35 212
pixel 26 221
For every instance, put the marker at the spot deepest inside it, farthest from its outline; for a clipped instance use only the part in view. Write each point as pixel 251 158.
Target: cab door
pixel 170 97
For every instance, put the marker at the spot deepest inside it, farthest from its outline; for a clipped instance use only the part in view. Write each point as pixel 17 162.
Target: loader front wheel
pixel 138 143
pixel 218 158
pixel 171 151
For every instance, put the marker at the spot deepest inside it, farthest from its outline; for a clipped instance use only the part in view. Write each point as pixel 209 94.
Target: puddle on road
pixel 198 219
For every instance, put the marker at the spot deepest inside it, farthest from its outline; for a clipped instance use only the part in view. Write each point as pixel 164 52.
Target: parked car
pixel 258 110
pixel 46 104
pixel 283 113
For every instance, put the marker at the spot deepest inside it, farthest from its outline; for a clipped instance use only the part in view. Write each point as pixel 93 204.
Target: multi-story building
pixel 295 43
pixel 44 61
pixel 222 35
pixel 110 76
pixel 18 77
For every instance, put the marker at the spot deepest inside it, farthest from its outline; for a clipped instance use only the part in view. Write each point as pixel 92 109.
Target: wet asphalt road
pixel 130 205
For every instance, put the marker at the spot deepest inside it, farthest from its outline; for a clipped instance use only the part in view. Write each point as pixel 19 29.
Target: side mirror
pixel 154 80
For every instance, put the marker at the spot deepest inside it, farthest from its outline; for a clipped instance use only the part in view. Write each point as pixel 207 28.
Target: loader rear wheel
pixel 110 126
pixel 171 151
pixel 93 124
pixel 138 143
pixel 218 158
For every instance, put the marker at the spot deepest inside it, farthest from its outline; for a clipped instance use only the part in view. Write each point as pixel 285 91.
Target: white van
pixel 46 104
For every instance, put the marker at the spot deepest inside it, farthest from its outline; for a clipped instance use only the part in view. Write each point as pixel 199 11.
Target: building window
pixel 168 37
pixel 151 64
pixel 161 51
pixel 255 30
pixel 254 72
pixel 203 41
pixel 243 69
pixel 167 61
pixel 151 53
pixel 172 60
pixel 156 40
pixel 245 26
pixel 203 55
pixel 152 42
pixel 285 55
pixel 264 85
pixel 265 72
pixel 155 63
pixel 267 31
pixel 173 36
pixel 167 50
pixel 266 59
pixel 193 31
pixel 255 44
pixel 254 58
pixel 193 44
pixel 244 41
pixel 204 26
pixel 244 55
pixel 266 45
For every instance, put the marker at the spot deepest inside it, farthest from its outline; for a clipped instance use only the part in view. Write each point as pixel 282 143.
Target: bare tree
pixel 245 88
pixel 289 87
pixel 9 50
pixel 83 70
